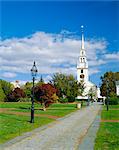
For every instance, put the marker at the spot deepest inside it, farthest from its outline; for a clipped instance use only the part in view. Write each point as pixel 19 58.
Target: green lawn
pixel 108 133
pixel 16 105
pixel 56 109
pixel 14 125
pixel 110 115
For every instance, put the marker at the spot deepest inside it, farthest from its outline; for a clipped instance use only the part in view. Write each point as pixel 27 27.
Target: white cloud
pixel 114 56
pixel 93 71
pixel 9 75
pixel 17 54
pixel 96 62
pixel 47 78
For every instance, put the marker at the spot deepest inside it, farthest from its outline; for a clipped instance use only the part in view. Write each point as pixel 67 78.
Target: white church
pixel 82 72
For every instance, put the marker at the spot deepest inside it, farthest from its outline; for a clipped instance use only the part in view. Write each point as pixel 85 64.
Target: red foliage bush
pixel 16 94
pixel 44 94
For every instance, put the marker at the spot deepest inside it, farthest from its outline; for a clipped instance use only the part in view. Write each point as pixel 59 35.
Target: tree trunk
pixel 44 108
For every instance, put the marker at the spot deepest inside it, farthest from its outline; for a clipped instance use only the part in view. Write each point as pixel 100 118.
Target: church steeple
pixel 82 70
pixel 82 50
pixel 82 64
pixel 82 37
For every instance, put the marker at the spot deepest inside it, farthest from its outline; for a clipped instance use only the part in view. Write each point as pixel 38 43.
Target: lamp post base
pixel 32 115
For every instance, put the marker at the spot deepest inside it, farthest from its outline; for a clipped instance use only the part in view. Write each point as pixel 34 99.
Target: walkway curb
pixel 88 141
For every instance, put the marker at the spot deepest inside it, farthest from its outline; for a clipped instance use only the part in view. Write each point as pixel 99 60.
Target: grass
pixel 12 125
pixel 108 136
pixel 108 133
pixel 110 115
pixel 59 110
pixel 16 104
pixel 15 125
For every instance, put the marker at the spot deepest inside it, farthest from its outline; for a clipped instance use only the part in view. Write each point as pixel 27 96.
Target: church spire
pixel 82 37
pixel 82 65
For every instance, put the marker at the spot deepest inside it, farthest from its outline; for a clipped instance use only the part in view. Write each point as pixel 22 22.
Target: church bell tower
pixel 82 64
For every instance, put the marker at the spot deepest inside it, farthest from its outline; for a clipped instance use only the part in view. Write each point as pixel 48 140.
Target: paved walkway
pixel 88 141
pixel 65 134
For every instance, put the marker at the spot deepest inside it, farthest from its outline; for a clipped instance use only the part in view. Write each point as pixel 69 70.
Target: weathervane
pixel 82 38
pixel 82 27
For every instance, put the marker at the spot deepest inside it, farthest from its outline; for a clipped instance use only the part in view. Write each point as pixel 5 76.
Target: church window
pixel 81 70
pixel 83 59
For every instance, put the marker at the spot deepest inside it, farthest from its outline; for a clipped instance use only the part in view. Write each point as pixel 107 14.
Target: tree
pixel 92 93
pixel 6 88
pixel 108 79
pixel 68 87
pixel 15 95
pixel 58 80
pixel 27 89
pixel 2 94
pixel 45 94
pixel 40 82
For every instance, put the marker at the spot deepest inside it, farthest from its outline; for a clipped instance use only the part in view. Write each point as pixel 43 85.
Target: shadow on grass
pixel 26 108
pixel 61 109
pixel 12 116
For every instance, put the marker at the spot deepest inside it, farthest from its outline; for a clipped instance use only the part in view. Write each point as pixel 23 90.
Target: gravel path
pixel 65 134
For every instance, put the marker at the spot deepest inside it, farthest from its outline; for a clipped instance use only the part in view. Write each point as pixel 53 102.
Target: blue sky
pixel 23 23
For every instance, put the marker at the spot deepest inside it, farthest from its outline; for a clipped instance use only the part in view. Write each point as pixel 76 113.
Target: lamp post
pixel 107 93
pixel 33 73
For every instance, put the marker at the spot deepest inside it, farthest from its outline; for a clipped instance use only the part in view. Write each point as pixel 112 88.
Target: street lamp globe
pixel 34 70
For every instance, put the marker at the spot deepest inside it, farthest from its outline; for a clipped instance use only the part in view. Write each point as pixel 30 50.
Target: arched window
pixel 83 59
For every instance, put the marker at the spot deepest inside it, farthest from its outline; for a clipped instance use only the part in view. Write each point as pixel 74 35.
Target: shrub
pixel 82 103
pixel 71 99
pixel 26 99
pixel 15 95
pixel 113 101
pixel 63 100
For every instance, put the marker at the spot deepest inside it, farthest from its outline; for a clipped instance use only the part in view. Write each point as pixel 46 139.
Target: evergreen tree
pixel 40 82
pixel 108 81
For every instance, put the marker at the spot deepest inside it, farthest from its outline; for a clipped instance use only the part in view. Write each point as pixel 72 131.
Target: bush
pixel 71 99
pixel 2 95
pixel 63 100
pixel 26 99
pixel 82 103
pixel 15 95
pixel 113 101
